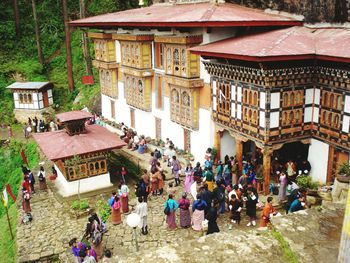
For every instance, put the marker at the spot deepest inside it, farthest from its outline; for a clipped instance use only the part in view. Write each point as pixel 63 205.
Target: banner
pixel 5 198
pixel 9 191
pixel 24 158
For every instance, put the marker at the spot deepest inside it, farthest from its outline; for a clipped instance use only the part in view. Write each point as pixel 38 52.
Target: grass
pixel 288 254
pixel 8 246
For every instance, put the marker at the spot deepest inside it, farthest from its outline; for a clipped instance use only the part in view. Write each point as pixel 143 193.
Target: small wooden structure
pixel 90 143
pixel 31 99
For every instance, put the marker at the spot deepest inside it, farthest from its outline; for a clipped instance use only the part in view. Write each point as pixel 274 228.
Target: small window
pixel 255 99
pixel 331 100
pixel 292 99
pixel 325 99
pixel 291 117
pixel 285 99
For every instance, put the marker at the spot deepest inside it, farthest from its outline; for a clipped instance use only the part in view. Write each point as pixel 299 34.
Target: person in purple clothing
pixel 76 248
pixel 91 252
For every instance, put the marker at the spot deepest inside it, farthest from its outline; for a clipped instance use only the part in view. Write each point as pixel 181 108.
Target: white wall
pixel 318 158
pixel 66 188
pixel 228 145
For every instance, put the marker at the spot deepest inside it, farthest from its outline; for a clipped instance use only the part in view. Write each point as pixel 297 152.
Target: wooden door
pixel 132 118
pixel 187 140
pixel 112 109
pixel 340 158
pixel 45 99
pixel 158 128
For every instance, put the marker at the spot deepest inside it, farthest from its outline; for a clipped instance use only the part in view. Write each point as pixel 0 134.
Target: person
pixel 76 248
pixel 290 168
pixel 295 194
pixel 185 216
pixel 227 173
pixel 41 126
pixel 98 223
pixel 42 179
pixel 26 183
pixel 161 178
pixel 26 200
pixel 154 180
pixel 91 252
pixel 31 181
pixel 141 189
pixel 235 191
pixel 297 204
pixel 24 169
pixel 211 216
pixel 107 257
pixel 219 171
pixel 251 201
pixel 197 173
pixel 176 168
pixel 124 197
pixel 243 180
pixel 219 195
pixel 85 258
pixel 189 178
pixel 54 173
pixel 283 187
pixel 114 203
pixel 266 214
pixel 207 196
pixel 304 167
pixel 52 126
pixel 235 207
pixel 198 208
pixel 172 205
pixel 209 179
pixel 208 155
pixel 142 210
pixel 35 124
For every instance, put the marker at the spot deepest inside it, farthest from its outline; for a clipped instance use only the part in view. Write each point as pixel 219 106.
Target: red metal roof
pixel 73 115
pixel 283 44
pixel 59 145
pixel 189 15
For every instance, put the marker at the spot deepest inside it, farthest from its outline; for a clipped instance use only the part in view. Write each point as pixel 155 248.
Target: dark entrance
pixel 294 151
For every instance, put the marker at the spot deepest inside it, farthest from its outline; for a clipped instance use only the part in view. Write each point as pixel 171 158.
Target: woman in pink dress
pixel 189 178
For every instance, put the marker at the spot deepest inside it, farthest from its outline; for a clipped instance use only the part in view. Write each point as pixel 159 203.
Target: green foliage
pixel 8 247
pixel 11 161
pixel 288 254
pixel 80 204
pixel 103 210
pixel 306 182
pixel 344 168
pixel 118 160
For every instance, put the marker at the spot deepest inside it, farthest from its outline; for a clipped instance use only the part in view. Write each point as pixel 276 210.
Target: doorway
pixel 227 145
pixel 295 151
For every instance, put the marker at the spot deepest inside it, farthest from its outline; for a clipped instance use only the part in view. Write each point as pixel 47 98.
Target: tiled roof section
pixel 29 85
pixel 73 115
pixel 59 145
pixel 189 15
pixel 283 44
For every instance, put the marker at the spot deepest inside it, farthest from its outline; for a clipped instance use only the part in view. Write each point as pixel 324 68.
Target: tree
pixel 68 46
pixel 16 12
pixel 37 34
pixel 88 66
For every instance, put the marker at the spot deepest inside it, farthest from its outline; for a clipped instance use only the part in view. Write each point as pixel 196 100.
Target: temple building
pixel 79 152
pixel 31 99
pixel 209 73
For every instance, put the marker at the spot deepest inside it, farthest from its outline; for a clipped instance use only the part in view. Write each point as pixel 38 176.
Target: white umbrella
pixel 193 189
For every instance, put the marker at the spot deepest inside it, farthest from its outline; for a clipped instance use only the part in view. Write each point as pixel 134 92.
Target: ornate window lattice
pixel 136 93
pixel 182 108
pixel 250 115
pixel 293 98
pixel 25 98
pixel 223 99
pixel 292 117
pixel 130 54
pixel 83 170
pixel 250 97
pixel 177 60
pixel 330 119
pixel 332 100
pixel 106 83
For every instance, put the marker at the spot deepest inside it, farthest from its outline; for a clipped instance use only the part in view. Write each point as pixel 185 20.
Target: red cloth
pixel 9 191
pixel 24 158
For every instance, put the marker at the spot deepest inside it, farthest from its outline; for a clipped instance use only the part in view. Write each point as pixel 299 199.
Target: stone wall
pixel 22 115
pixel 312 10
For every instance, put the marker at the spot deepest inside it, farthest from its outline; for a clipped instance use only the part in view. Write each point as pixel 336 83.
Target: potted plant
pixel 344 173
pixel 306 182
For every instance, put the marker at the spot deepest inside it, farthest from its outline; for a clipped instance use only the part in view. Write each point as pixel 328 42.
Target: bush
pixel 80 204
pixel 344 169
pixel 103 210
pixel 306 182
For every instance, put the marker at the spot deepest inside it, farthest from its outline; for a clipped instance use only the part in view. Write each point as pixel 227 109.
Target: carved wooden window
pixel 159 55
pixel 330 119
pixel 332 100
pixel 255 99
pixel 250 115
pixel 285 99
pixel 21 98
pixel 339 102
pixel 292 117
pixel 176 61
pixel 293 98
pixel 224 99
pixel 137 93
pixel 182 107
pixel 245 97
pixel 131 55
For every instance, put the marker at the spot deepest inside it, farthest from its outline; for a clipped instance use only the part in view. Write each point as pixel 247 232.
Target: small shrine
pixel 31 99
pixel 79 152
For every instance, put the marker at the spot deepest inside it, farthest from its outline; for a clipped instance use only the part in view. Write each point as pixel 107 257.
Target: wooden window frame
pixel 159 55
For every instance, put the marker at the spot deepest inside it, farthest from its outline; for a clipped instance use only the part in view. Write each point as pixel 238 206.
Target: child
pixel 235 206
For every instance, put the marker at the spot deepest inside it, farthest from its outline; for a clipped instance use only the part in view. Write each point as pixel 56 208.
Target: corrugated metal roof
pixel 289 43
pixel 189 15
pixel 59 145
pixel 73 115
pixel 29 85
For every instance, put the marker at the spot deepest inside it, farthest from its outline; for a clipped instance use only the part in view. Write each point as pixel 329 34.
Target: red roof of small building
pixel 73 115
pixel 59 145
pixel 187 15
pixel 284 44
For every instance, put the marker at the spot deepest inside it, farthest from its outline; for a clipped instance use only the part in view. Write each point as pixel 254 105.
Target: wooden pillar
pixel 267 169
pixel 239 154
pixel 217 144
pixel 330 164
